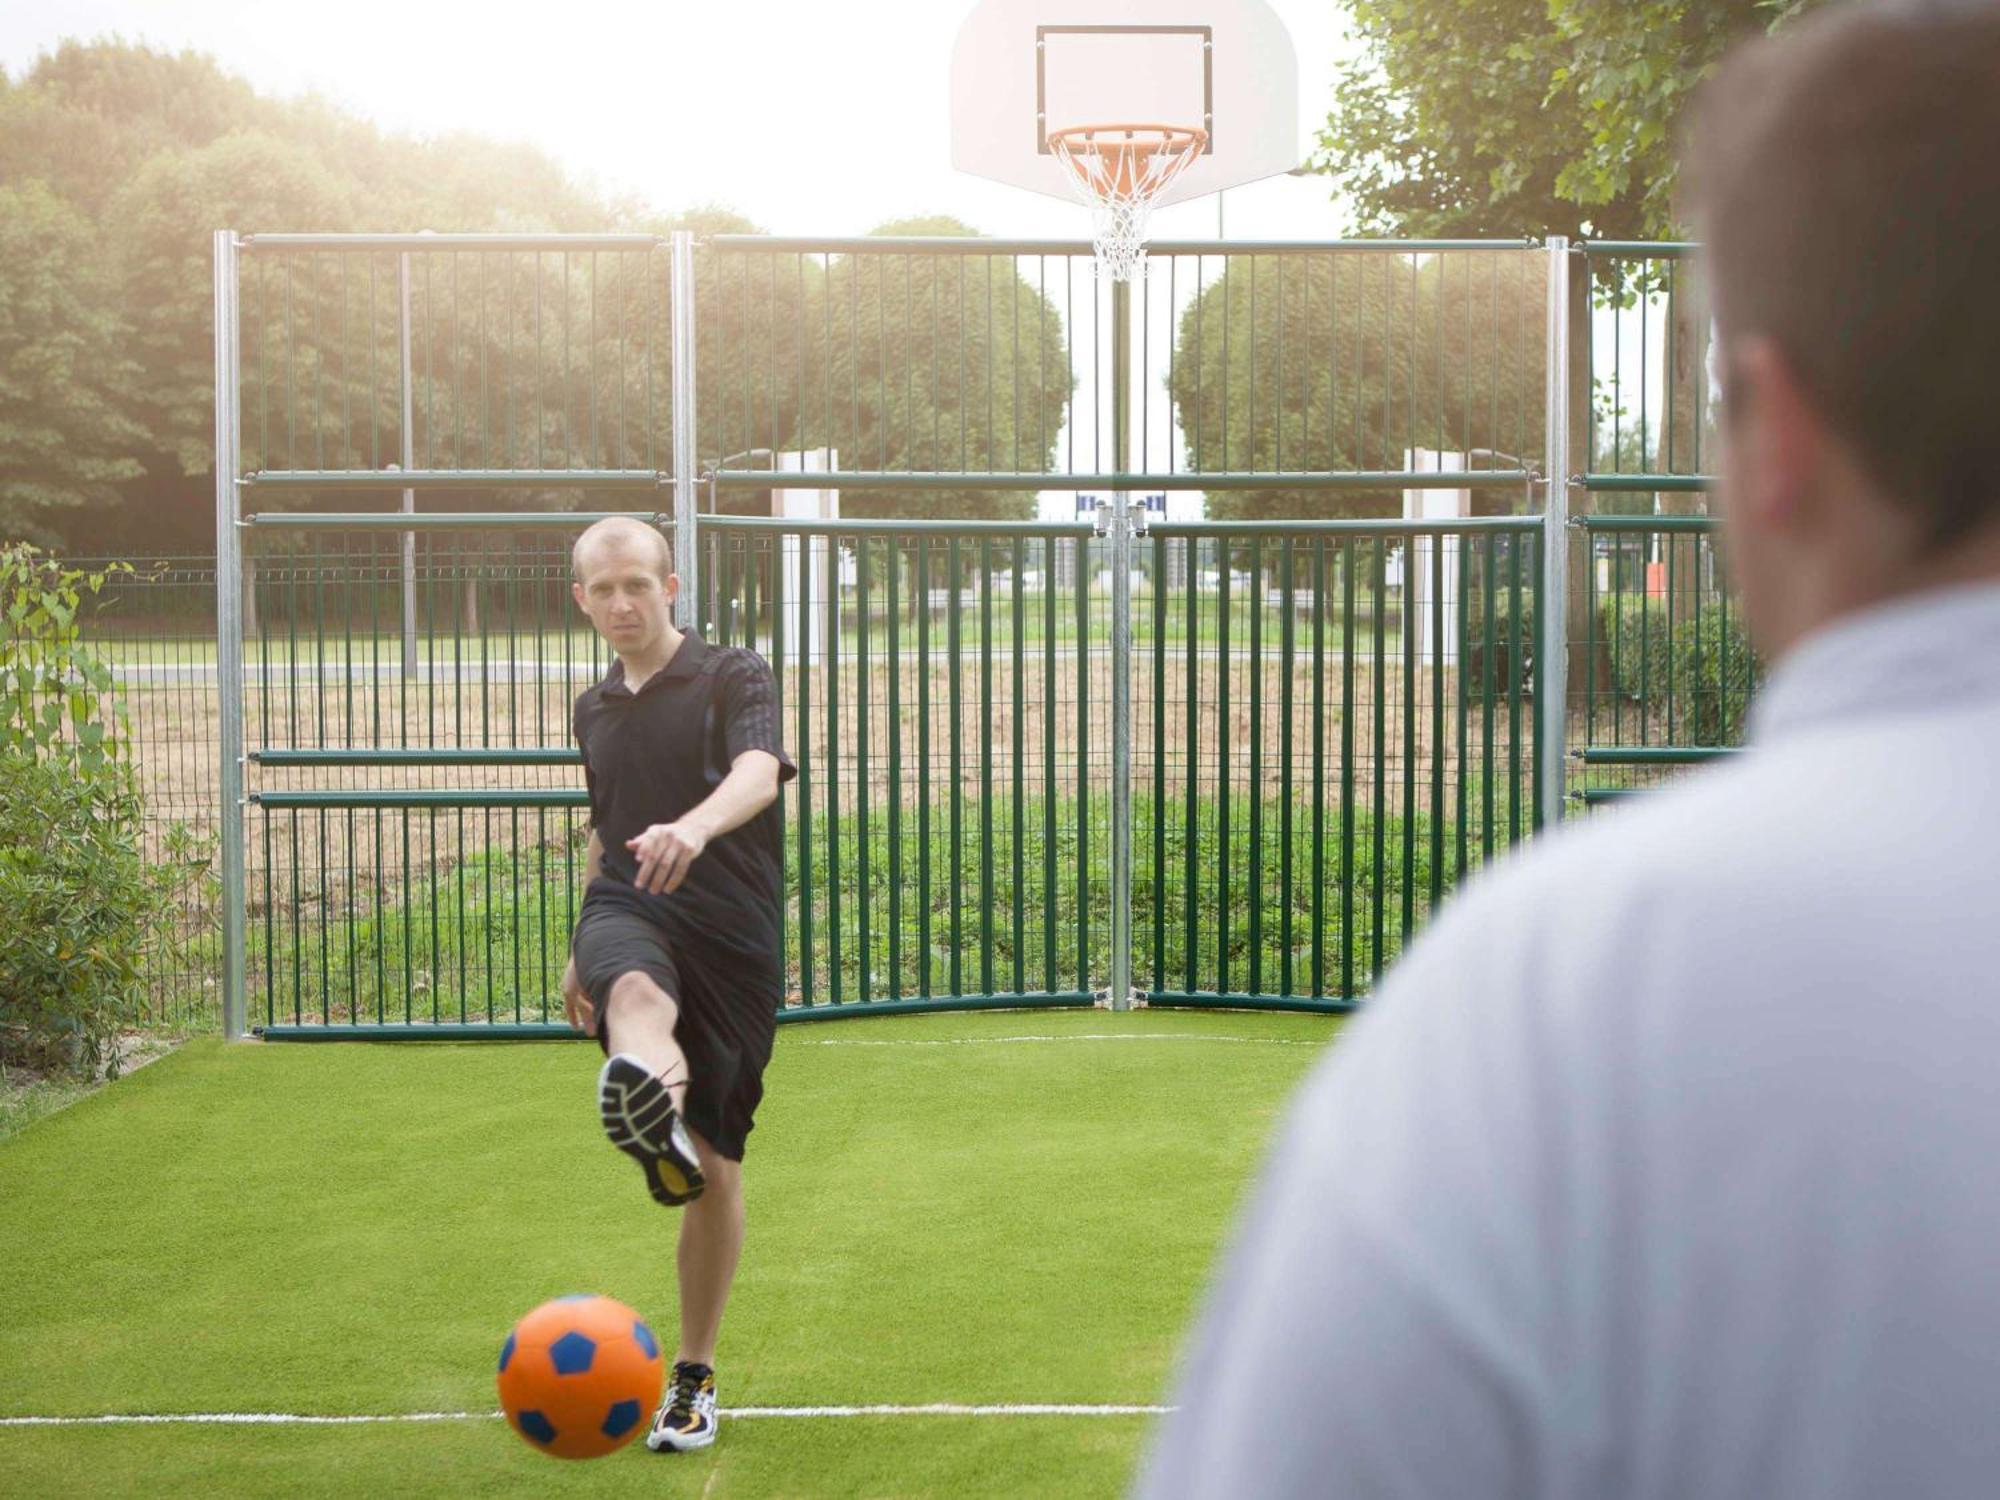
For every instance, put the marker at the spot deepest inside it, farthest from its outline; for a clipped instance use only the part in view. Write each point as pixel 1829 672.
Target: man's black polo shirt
pixel 650 757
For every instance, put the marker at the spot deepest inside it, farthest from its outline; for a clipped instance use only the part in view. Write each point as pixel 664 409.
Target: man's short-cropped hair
pixel 623 527
pixel 1847 187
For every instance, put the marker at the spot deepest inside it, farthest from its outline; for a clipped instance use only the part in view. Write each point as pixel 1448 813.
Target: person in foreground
pixel 674 963
pixel 1668 1163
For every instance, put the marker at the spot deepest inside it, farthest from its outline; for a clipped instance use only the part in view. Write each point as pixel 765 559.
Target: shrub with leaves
pixel 78 901
pixel 1698 669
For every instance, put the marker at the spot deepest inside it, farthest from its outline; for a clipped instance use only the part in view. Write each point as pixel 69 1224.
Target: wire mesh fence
pixel 154 626
pixel 986 359
pixel 460 357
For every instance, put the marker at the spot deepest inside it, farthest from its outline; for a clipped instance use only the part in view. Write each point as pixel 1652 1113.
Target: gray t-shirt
pixel 1668 1163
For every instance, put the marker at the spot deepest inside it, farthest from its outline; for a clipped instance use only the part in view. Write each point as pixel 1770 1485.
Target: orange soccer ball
pixel 579 1376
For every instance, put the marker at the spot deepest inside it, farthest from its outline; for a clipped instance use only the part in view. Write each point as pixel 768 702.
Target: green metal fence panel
pixel 416 829
pixel 938 680
pixel 1671 668
pixel 1331 721
pixel 1297 687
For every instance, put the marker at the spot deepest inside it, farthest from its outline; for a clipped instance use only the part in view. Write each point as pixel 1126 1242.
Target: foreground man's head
pixel 1845 180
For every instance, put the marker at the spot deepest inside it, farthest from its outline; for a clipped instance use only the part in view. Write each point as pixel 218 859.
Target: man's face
pixel 623 594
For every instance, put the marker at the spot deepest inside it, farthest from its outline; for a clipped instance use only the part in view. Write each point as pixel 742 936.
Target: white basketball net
pixel 1120 171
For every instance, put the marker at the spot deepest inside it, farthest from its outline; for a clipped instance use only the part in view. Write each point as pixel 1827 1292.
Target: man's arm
pixel 666 850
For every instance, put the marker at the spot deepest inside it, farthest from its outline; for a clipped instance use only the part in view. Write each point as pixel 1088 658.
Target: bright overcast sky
pixel 808 116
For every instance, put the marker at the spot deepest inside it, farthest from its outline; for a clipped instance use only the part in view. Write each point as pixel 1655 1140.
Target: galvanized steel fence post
pixel 680 292
pixel 229 634
pixel 1552 654
pixel 409 455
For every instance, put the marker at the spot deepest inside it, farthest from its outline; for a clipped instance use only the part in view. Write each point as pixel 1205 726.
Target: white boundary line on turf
pixel 299 1419
pixel 1115 1036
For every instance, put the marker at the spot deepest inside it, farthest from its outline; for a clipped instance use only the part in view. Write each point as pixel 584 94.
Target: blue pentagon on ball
pixel 645 1338
pixel 572 1353
pixel 536 1427
pixel 621 1419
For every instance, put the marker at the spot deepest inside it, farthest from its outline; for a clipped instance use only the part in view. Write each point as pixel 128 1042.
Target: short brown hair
pixel 1845 176
pixel 620 526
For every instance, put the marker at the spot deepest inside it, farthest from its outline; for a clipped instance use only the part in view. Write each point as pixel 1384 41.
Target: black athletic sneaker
pixel 640 1118
pixel 686 1418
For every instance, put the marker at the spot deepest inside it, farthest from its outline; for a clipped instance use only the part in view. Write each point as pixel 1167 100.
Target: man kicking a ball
pixel 674 965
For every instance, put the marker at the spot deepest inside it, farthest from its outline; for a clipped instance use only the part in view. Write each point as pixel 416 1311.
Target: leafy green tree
pixel 168 212
pixel 140 154
pixel 149 152
pixel 931 363
pixel 66 439
pixel 89 115
pixel 1347 362
pixel 1513 117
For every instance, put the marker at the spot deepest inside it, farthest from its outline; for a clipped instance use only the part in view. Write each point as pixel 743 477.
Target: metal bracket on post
pixel 1552 653
pixel 229 635
pixel 687 558
pixel 1135 999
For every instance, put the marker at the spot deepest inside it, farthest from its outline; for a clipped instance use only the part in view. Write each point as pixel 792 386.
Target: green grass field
pixel 983 1209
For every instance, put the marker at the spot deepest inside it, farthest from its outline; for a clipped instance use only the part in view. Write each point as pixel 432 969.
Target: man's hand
pixel 576 1005
pixel 665 851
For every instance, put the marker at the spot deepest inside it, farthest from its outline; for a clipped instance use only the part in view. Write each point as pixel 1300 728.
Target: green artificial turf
pixel 352 1228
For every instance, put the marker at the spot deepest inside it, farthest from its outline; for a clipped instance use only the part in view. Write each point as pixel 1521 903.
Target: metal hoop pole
pixel 229 634
pixel 1121 652
pixel 1552 656
pixel 687 561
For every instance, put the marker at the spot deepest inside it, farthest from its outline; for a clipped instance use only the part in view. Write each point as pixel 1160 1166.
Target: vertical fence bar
pixel 1552 608
pixel 229 635
pixel 680 299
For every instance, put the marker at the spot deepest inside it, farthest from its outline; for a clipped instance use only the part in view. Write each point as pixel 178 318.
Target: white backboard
pixel 1022 68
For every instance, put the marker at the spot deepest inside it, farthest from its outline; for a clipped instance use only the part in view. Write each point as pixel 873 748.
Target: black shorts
pixel 728 1010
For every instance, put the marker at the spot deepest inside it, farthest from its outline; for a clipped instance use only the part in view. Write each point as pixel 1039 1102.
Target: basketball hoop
pixel 1120 171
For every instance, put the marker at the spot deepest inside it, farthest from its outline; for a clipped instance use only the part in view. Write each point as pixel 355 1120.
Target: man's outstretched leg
pixel 711 1242
pixel 643 1088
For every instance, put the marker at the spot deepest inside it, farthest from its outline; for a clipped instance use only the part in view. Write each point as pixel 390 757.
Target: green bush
pixel 78 902
pixel 1499 647
pixel 1698 669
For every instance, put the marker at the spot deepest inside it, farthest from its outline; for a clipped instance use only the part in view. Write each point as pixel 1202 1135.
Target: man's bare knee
pixel 636 992
pixel 724 1176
